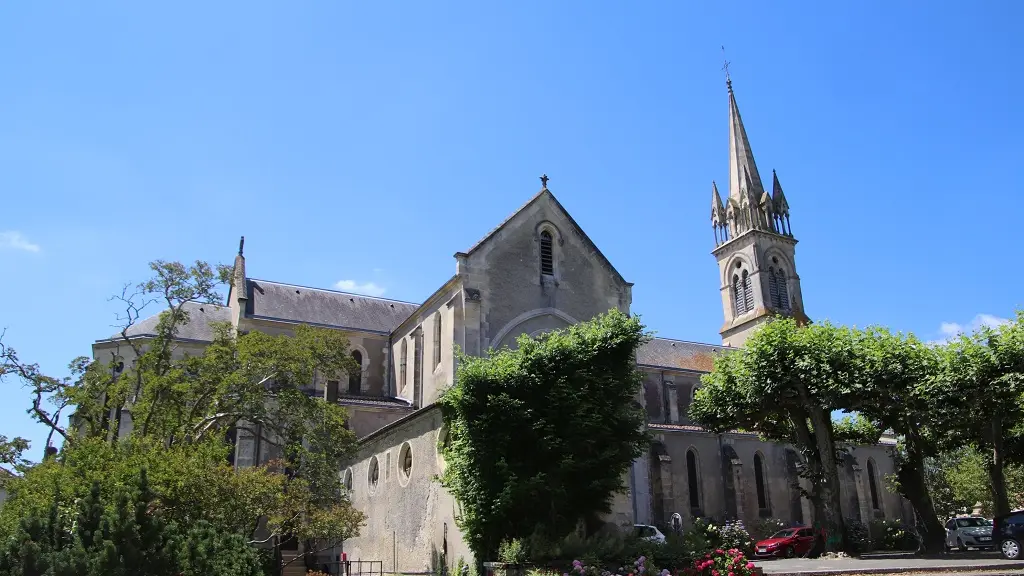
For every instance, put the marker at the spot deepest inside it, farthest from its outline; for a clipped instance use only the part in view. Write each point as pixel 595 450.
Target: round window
pixel 373 474
pixel 405 464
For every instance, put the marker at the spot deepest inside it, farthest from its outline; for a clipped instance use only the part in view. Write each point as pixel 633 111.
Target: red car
pixel 786 543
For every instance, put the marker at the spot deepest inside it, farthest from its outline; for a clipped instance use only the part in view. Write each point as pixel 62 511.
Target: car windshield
pixel 971 522
pixel 784 533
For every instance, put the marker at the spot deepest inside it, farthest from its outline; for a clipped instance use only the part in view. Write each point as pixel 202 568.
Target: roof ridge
pixel 689 342
pixel 333 291
pixel 508 218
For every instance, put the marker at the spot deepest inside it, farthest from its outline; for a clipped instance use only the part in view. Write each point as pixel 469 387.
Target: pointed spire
pixel 717 208
pixel 741 158
pixel 238 274
pixel 778 198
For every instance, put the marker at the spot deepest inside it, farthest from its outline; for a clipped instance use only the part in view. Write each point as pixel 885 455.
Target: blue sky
pixel 365 143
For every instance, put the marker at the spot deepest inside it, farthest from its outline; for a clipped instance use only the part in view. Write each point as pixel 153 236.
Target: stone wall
pixel 410 519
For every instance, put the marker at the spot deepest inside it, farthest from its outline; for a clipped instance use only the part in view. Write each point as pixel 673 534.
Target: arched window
pixel 783 292
pixel 739 302
pixel 547 256
pixel 355 379
pixel 762 489
pixel 437 339
pixel 693 479
pixel 871 485
pixel 773 289
pixel 402 361
pixel 748 293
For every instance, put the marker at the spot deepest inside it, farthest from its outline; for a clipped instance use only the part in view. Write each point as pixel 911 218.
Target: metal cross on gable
pixel 544 180
pixel 725 66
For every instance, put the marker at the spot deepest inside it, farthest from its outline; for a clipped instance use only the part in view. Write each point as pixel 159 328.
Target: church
pixel 539 271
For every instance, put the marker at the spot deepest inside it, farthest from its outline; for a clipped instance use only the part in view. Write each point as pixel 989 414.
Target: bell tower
pixel 754 244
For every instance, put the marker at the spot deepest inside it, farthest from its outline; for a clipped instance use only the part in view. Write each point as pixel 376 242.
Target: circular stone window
pixel 442 443
pixel 347 480
pixel 373 474
pixel 405 464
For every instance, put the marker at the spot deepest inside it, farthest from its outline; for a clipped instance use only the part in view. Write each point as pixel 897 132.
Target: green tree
pixel 126 537
pixel 11 452
pixel 784 384
pixel 888 387
pixel 540 437
pixel 979 396
pixel 183 408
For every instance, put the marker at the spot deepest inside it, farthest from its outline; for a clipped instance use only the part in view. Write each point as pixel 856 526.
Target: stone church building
pixel 538 271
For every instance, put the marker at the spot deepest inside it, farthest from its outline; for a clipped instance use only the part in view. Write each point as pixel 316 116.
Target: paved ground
pixel 990 563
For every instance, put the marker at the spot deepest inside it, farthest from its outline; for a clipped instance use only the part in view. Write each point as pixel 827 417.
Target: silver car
pixel 970 532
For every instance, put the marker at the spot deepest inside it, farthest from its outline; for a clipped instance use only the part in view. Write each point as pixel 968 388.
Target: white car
pixel 648 532
pixel 969 532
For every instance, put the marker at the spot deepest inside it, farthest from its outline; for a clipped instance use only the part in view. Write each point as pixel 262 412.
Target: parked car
pixel 648 532
pixel 786 543
pixel 1008 533
pixel 969 532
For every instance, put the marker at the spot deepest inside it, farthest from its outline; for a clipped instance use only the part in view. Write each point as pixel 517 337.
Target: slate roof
pixel 328 308
pixel 198 327
pixel 678 354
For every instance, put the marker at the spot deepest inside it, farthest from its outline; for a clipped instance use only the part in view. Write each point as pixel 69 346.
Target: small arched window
pixel 762 489
pixel 547 256
pixel 738 301
pixel 748 293
pixel 773 289
pixel 402 361
pixel 871 485
pixel 355 379
pixel 783 292
pixel 693 479
pixel 437 339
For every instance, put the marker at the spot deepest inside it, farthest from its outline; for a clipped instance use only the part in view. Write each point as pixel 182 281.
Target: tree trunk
pixel 835 528
pixel 1000 500
pixel 815 473
pixel 915 489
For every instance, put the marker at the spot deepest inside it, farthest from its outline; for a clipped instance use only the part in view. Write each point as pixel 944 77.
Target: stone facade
pixel 535 272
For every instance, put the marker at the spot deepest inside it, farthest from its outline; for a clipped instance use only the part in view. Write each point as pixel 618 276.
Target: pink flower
pixel 714 573
pixel 732 573
pixel 750 565
pixel 719 551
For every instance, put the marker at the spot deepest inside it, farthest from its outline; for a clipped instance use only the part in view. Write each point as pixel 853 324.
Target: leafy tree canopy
pixel 124 534
pixel 542 435
pixel 184 408
pixel 979 398
pixel 784 384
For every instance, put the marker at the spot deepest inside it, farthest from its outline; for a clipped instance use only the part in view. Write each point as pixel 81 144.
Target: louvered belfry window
pixel 737 295
pixel 748 293
pixel 773 289
pixel 547 259
pixel 783 293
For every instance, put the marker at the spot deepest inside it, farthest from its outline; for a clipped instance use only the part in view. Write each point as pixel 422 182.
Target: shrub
pixel 735 535
pixel 512 551
pixel 765 527
pixel 860 537
pixel 721 562
pixel 893 535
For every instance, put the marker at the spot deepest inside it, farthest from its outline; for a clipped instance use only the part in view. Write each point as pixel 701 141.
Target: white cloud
pixel 367 288
pixel 17 241
pixel 950 330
